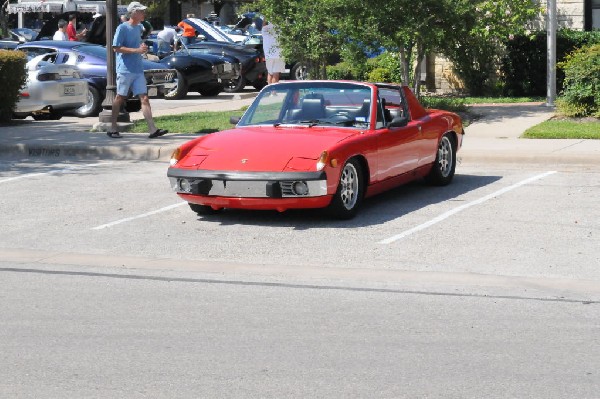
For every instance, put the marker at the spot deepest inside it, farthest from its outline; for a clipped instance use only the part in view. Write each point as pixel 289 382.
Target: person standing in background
pixel 166 39
pixel 72 29
pixel 129 47
pixel 61 33
pixel 273 58
pixel 189 33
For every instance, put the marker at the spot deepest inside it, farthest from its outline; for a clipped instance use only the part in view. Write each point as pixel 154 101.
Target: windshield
pixel 311 104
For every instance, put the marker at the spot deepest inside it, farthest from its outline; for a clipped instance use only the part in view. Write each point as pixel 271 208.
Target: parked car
pixel 317 144
pixel 23 34
pixel 91 60
pixel 215 41
pixel 200 70
pixel 253 67
pixel 8 44
pixel 50 90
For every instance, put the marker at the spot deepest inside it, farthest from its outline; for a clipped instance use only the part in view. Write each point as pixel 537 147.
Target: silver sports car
pixel 51 90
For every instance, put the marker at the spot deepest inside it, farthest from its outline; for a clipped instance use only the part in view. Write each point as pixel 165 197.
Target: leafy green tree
pixel 307 30
pixel 475 45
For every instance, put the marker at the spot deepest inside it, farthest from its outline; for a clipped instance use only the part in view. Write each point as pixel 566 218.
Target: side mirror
pixel 399 121
pixel 234 119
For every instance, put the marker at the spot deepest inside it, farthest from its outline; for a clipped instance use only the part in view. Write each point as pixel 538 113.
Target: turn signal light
pixel 175 157
pixel 322 160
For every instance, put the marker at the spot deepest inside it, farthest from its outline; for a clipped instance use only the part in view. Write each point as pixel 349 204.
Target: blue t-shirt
pixel 128 35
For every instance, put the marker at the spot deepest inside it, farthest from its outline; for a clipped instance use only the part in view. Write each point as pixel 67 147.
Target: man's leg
pixel 275 77
pixel 147 112
pixel 116 108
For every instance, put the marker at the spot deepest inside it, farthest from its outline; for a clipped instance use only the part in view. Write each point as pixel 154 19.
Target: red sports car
pixel 317 144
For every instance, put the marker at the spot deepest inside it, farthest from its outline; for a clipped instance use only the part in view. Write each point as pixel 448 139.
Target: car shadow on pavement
pixel 376 210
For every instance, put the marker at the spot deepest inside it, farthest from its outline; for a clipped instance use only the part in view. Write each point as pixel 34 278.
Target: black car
pixel 91 60
pixel 201 71
pixel 254 69
pixel 213 40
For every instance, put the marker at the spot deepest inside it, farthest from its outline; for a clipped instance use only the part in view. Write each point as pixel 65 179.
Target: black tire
pixel 203 209
pixel 180 91
pixel 443 168
pixel 260 84
pixel 350 191
pixel 210 91
pixel 50 116
pixel 94 105
pixel 235 86
pixel 299 71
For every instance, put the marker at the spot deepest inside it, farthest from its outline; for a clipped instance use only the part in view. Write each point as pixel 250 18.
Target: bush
pixel 524 65
pixel 12 78
pixel 383 68
pixel 581 95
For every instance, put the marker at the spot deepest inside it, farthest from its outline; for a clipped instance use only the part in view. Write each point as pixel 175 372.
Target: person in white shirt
pixel 166 38
pixel 273 58
pixel 61 33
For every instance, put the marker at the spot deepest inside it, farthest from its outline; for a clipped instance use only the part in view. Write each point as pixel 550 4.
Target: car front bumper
pixel 251 190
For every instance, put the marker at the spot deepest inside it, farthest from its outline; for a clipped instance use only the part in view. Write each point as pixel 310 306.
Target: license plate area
pixel 69 90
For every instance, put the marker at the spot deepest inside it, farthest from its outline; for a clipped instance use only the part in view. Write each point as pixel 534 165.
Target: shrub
pixel 12 79
pixel 446 103
pixel 581 95
pixel 383 68
pixel 524 65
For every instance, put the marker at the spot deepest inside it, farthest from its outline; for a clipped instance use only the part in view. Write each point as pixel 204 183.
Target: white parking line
pixel 143 215
pixel 462 208
pixel 66 169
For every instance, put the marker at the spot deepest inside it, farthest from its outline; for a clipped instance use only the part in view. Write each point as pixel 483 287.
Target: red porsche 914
pixel 318 144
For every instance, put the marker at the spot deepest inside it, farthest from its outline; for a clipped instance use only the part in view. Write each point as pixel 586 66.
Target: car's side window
pixel 392 103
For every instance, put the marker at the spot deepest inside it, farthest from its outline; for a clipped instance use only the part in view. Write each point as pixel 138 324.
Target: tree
pixel 307 30
pixel 478 41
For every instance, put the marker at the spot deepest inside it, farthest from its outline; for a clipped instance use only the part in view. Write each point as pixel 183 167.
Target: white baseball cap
pixel 135 6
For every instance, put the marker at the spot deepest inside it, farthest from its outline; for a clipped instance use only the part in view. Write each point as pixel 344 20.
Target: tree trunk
pixel 404 66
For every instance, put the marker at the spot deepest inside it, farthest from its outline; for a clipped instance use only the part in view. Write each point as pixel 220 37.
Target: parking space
pixel 521 221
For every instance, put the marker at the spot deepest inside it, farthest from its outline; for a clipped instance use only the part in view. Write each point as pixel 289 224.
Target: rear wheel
pixel 235 86
pixel 349 194
pixel 93 106
pixel 179 91
pixel 299 71
pixel 211 91
pixel 203 209
pixel 444 166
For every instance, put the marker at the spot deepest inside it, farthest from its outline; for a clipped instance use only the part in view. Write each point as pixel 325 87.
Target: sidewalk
pixel 494 137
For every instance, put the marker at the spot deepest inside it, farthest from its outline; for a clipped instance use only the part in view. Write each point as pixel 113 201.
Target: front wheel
pixel 349 194
pixel 444 166
pixel 179 91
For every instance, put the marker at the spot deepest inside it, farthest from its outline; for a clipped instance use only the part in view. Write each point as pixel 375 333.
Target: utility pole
pixel 105 116
pixel 551 24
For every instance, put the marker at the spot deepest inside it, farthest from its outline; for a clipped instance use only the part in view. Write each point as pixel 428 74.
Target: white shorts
pixel 275 65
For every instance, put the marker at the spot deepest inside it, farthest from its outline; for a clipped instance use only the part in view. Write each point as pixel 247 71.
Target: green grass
pixel 192 123
pixel 564 129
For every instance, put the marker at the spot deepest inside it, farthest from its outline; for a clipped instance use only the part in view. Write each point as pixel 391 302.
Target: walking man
pixel 129 47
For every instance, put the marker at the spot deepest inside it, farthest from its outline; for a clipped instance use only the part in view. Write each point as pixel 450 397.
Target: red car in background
pixel 318 144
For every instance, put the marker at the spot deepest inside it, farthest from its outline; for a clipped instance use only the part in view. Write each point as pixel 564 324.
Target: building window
pixel 595 14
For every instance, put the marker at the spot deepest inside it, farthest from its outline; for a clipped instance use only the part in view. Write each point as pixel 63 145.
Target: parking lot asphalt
pixel 493 137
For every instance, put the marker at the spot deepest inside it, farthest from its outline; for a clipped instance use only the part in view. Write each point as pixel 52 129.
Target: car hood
pixel 261 149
